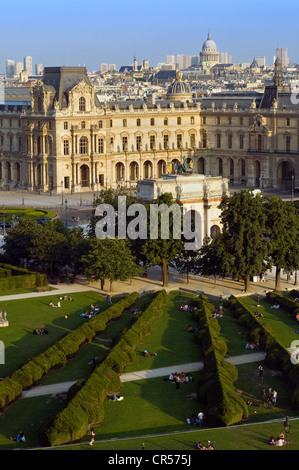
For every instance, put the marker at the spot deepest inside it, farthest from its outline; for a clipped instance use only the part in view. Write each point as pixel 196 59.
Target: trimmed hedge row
pixel 57 355
pixel 13 277
pixel 216 389
pixel 278 357
pixel 86 406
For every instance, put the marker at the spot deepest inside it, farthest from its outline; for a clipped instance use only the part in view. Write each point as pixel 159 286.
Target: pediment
pixel 81 88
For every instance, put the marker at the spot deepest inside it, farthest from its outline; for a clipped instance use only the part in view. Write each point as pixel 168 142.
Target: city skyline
pixel 67 35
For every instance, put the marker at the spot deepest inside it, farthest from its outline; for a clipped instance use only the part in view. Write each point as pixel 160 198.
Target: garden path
pixel 63 387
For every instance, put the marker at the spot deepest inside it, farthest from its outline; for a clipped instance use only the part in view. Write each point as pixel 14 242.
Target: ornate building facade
pixel 66 141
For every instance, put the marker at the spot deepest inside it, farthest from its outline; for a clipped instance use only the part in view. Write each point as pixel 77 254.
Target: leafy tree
pixel 161 251
pixel 243 226
pixel 186 262
pixel 109 259
pixel 51 248
pixel 79 246
pixel 283 233
pixel 213 258
pixel 20 240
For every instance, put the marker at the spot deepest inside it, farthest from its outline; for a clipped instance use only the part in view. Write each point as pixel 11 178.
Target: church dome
pixel 179 89
pixel 209 45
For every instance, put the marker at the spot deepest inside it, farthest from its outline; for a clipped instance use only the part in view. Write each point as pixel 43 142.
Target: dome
pixel 178 87
pixel 209 45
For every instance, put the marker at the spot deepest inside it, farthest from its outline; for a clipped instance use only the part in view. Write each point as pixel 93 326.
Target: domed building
pixel 209 55
pixel 179 90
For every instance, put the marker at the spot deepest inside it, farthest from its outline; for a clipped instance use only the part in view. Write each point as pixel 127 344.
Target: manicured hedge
pixel 216 389
pixel 13 277
pixel 86 407
pixel 57 355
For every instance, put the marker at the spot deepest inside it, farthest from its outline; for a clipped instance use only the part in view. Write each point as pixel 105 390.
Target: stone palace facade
pixel 64 140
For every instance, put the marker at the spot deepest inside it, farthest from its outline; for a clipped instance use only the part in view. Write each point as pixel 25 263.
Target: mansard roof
pixel 61 79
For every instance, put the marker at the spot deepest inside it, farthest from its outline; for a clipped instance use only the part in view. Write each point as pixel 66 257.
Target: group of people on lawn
pixel 94 310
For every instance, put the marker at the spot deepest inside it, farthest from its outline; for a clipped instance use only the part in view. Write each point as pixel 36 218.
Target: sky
pixel 71 33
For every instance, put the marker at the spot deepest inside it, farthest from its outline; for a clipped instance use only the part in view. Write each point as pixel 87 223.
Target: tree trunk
pixel 296 278
pixel 187 277
pixel 111 285
pixel 277 279
pixel 246 284
pixel 164 267
pixel 215 280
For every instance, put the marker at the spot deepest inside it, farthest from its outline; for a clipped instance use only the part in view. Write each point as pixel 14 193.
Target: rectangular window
pixel 65 147
pixel 179 141
pixel 138 142
pixel 241 141
pixel 152 142
pixel 192 140
pixel 166 141
pixel 241 121
pixel 218 137
pixel 100 145
pixel 20 144
pixel 260 142
pixel 288 143
pixel 125 143
pixel 204 140
pixel 65 125
pixel 204 120
pixel 100 124
pixel 229 141
pixel 218 120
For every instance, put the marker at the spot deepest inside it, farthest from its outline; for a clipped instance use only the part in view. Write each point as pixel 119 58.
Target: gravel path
pixel 144 374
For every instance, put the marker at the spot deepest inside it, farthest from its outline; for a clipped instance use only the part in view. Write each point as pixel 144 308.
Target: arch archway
pixel 161 168
pixel 84 175
pixel 7 171
pixel 134 171
pixel 214 230
pixel 147 169
pixel 17 172
pixel 201 166
pixel 285 171
pixel 257 172
pixel 119 172
pixel 219 166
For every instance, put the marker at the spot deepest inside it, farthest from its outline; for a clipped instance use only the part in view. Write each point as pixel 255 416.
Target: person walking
pixel 263 396
pixel 261 372
pixel 274 397
pixel 92 436
pixel 200 417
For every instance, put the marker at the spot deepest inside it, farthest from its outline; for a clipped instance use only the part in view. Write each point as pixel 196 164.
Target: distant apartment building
pixel 282 54
pixel 28 64
pixel 10 68
pixel 38 69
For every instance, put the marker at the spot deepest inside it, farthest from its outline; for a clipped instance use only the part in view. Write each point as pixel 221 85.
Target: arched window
pixel 83 146
pixel 82 104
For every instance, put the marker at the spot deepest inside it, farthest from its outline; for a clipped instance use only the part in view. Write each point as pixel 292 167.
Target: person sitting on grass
pixel 146 353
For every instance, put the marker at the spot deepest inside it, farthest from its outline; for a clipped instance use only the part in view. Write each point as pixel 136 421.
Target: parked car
pixel 43 220
pixel 7 224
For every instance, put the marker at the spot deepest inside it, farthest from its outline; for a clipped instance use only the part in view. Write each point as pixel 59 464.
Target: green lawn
pixel 169 339
pixel 244 437
pixel 25 315
pixel 150 406
pixel 25 212
pixel 278 321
